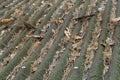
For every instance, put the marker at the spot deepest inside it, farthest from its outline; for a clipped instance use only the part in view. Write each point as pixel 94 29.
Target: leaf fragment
pixel 37 43
pixel 59 21
pixel 109 41
pixel 70 3
pixel 67 33
pixel 75 55
pixel 106 54
pixel 95 46
pixel 6 20
pixel 77 37
pixel 115 20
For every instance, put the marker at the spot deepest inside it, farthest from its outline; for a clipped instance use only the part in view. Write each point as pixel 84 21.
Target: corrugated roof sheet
pixel 59 39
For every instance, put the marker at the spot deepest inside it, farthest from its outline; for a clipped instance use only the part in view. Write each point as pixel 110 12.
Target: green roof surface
pixel 59 40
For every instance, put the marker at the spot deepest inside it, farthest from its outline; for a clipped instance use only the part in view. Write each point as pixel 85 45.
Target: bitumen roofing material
pixel 60 40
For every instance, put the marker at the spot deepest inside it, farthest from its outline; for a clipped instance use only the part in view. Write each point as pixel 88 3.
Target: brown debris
pixel 82 18
pixel 37 43
pixel 6 20
pixel 76 38
pixel 114 20
pixel 36 37
pixel 18 13
pixel 95 46
pixel 67 33
pixel 29 26
pixel 59 21
pixel 73 57
pixel 107 53
pixel 109 41
pixel 69 3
